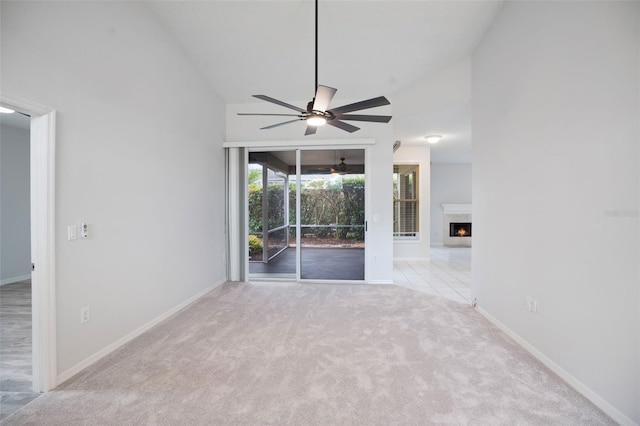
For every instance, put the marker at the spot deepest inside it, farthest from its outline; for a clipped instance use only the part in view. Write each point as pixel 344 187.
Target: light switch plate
pixel 72 232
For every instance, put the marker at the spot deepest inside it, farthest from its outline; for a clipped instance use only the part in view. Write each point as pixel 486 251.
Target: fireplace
pixel 460 229
pixel 456 225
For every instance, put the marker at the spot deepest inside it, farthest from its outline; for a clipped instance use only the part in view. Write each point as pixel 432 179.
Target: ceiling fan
pixel 318 113
pixel 340 169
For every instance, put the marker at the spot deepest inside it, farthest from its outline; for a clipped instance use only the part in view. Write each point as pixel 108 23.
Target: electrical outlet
pixel 85 314
pixel 530 304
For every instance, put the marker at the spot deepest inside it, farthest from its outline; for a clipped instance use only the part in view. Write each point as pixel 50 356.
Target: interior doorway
pixel 306 214
pixel 42 129
pixel 16 342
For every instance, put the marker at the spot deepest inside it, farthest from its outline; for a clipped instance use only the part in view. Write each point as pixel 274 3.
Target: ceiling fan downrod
pixel 315 89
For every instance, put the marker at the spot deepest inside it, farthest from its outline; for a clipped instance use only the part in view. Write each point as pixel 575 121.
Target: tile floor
pixel 446 274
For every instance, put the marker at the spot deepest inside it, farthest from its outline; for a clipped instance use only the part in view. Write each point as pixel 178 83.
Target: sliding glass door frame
pixel 237 200
pixel 298 215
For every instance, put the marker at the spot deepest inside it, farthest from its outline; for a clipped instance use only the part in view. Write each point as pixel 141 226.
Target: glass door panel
pixel 270 252
pixel 332 214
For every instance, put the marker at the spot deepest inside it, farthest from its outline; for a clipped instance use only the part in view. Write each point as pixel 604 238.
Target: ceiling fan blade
pixel 275 115
pixel 342 125
pixel 279 124
pixel 323 97
pixel 358 117
pixel 311 130
pixel 369 103
pixel 277 102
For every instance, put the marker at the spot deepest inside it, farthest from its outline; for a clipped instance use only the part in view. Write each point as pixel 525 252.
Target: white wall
pixel 450 184
pixel 416 249
pixel 555 150
pixel 15 226
pixel 138 158
pixel 438 104
pixel 380 234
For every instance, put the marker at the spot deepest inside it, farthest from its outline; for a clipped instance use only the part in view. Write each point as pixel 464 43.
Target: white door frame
pixel 43 138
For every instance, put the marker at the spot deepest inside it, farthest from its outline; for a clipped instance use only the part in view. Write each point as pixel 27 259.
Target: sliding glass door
pixel 327 221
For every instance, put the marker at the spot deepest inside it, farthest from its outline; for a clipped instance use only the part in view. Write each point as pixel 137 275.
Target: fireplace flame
pixel 461 232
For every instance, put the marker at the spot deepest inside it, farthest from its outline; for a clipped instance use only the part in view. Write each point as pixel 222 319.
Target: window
pixel 405 201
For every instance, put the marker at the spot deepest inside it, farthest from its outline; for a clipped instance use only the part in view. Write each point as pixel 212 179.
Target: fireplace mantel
pixel 456 208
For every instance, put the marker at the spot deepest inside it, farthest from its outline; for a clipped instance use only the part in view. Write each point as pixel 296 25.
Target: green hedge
pixel 321 203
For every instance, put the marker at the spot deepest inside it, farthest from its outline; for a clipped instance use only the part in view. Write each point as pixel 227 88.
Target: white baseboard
pixel 12 280
pixel 380 282
pixel 412 259
pixel 63 377
pixel 587 392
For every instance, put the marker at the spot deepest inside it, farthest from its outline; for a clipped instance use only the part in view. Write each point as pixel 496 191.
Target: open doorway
pixel 16 380
pixel 42 131
pixel 307 214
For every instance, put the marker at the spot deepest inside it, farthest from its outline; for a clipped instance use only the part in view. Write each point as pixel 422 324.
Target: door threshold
pixel 265 277
pixel 318 281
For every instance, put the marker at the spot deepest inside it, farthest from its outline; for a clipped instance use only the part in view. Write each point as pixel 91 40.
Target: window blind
pixel 405 200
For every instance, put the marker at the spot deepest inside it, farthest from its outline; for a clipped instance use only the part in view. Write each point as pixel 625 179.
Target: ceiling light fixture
pixel 316 120
pixel 4 110
pixel 433 138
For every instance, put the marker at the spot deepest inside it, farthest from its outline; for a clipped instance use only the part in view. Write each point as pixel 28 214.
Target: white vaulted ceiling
pixel 366 48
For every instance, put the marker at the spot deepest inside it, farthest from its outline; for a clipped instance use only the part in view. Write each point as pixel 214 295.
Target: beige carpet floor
pixel 316 354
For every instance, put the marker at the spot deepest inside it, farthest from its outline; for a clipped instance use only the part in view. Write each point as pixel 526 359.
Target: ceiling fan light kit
pixel 317 113
pixel 316 120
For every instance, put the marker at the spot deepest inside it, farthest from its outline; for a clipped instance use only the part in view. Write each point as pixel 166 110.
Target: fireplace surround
pixel 457 225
